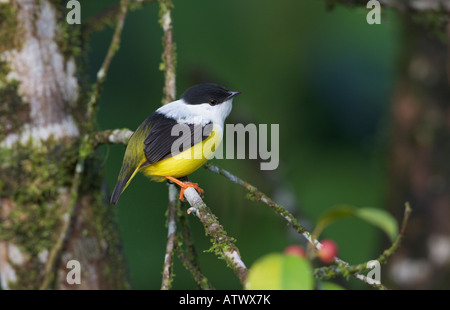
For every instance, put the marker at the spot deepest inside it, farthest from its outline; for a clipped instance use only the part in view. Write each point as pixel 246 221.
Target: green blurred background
pixel 325 77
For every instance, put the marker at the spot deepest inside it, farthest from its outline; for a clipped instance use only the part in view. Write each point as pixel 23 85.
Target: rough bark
pixel 42 112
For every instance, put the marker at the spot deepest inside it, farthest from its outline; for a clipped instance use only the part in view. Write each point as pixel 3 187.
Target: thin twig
pixel 165 10
pixel 171 234
pixel 186 233
pixel 110 136
pixel 329 272
pixel 169 56
pixel 65 231
pixel 85 150
pixel 223 245
pixel 257 195
pixel 189 258
pixel 107 16
pixel 121 136
pixel 201 281
pixel 112 50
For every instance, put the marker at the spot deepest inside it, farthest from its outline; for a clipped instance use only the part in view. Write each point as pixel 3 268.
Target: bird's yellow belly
pixel 185 162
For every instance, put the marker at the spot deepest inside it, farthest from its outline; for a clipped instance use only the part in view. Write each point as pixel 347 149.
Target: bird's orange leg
pixel 184 185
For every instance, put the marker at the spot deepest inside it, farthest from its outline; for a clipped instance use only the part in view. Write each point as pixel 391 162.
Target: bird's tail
pixel 122 183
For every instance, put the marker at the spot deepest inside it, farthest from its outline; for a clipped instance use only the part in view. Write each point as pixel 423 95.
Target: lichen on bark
pixel 35 181
pixel 9 37
pixel 42 87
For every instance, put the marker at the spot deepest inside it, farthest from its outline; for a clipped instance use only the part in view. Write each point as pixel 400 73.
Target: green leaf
pixel 381 219
pixel 377 217
pixel 331 216
pixel 280 272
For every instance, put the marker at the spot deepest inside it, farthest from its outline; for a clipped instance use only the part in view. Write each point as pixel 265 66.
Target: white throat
pixel 197 113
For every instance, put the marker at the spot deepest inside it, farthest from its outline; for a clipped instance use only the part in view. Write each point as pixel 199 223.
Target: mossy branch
pixel 165 8
pixel 101 74
pixel 333 271
pixel 255 194
pixel 201 281
pixel 85 149
pixel 168 64
pixel 223 245
pixel 121 136
pixel 189 256
pixel 110 136
pixel 64 235
pixel 171 235
pixel 108 16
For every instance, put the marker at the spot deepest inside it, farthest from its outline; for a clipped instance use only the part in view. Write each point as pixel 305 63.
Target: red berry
pixel 295 250
pixel 328 251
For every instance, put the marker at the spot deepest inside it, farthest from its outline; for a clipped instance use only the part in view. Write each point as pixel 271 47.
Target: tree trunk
pixel 420 161
pixel 42 115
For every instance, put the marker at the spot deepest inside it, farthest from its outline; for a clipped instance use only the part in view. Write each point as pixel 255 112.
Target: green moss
pixel 68 36
pixel 100 225
pixel 8 28
pixel 37 181
pixel 70 39
pixel 32 178
pixel 27 278
pixel 13 110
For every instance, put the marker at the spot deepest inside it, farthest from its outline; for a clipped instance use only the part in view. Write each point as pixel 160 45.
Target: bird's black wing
pixel 165 132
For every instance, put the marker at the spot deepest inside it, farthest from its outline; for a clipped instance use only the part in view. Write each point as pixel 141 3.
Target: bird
pixel 177 139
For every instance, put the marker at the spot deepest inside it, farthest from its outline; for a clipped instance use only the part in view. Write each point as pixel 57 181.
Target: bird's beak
pixel 233 94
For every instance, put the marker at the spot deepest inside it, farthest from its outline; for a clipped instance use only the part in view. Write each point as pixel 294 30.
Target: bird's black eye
pixel 212 102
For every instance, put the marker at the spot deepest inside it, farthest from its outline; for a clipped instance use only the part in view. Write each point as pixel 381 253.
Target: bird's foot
pixel 190 184
pixel 184 185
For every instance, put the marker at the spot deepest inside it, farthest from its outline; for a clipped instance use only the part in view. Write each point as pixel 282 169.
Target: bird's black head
pixel 207 93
